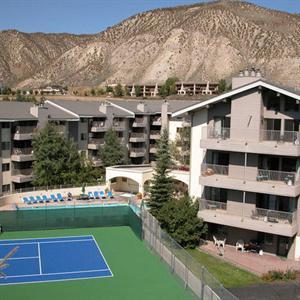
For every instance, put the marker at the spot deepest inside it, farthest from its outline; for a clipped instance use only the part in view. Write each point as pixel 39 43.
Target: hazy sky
pixel 91 16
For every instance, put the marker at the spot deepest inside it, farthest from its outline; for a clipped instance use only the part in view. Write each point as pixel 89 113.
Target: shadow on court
pixel 269 291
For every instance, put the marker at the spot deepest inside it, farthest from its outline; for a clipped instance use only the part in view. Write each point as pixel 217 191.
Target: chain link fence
pixel 191 272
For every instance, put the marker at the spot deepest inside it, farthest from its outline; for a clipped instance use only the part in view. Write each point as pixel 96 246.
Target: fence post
pixel 202 283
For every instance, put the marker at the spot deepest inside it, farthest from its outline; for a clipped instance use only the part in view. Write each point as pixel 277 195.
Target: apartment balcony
pixel 22 175
pixel 137 152
pixel 99 126
pixel 119 125
pixel 153 149
pixel 24 133
pixel 155 134
pixel 139 122
pixel 253 180
pixel 96 161
pixel 22 154
pixel 94 144
pixel 264 141
pixel 248 216
pixel 136 137
pixel 186 123
pixel 156 121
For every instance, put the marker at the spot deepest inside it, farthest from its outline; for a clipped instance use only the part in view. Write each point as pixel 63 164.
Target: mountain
pixel 206 41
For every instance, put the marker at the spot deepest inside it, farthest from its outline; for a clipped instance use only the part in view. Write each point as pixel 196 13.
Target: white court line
pixel 24 257
pixel 53 242
pixel 59 273
pixel 102 256
pixel 48 238
pixel 40 259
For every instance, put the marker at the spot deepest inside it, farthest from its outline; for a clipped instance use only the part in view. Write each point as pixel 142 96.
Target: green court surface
pixel 138 274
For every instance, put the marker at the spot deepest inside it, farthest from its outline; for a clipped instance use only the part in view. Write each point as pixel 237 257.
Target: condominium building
pixel 137 124
pixel 245 151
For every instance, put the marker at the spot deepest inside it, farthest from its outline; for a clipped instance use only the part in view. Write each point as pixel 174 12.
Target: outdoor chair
pixel 96 195
pixel 219 243
pixel 45 198
pixel 110 194
pixel 26 200
pixel 91 196
pixel 33 200
pixel 240 245
pixel 53 198
pixel 39 199
pixel 69 197
pixel 60 197
pixel 102 195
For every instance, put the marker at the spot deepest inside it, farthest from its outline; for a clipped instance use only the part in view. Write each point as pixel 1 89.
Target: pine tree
pixel 182 223
pixel 112 152
pixel 56 159
pixel 161 189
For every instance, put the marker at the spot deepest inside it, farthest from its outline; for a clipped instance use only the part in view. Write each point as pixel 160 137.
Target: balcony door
pixel 220 123
pixel 220 158
pixel 216 194
pixel 282 246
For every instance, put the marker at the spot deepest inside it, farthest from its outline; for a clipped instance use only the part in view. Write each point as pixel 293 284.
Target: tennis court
pixel 53 259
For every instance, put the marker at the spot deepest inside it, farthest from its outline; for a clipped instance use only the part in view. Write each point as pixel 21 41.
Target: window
pixel 5 146
pixel 83 136
pixel 5 125
pixel 5 188
pixel 268 239
pixel 5 167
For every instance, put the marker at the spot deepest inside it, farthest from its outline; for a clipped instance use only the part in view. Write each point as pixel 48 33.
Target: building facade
pixel 245 151
pixel 137 124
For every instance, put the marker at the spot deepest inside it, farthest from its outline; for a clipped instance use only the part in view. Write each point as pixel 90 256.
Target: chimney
pixel 41 113
pixel 141 106
pixel 245 77
pixel 107 109
pixel 164 114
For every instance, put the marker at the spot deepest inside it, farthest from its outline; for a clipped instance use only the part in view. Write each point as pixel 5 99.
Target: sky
pixel 92 16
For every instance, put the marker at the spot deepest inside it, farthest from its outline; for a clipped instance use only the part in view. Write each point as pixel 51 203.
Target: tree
pixel 56 159
pixel 169 87
pixel 180 148
pixel 109 90
pixel 93 92
pixel 182 223
pixel 112 152
pixel 118 90
pixel 138 91
pixel 222 86
pixel 161 189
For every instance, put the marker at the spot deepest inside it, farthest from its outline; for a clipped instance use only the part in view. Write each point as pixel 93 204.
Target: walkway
pixel 251 261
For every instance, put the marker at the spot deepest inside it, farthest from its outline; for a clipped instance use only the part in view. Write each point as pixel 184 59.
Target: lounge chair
pixel 39 199
pixel 110 194
pixel 91 195
pixel 33 200
pixel 102 195
pixel 96 195
pixel 240 245
pixel 69 197
pixel 53 198
pixel 26 200
pixel 45 198
pixel 60 197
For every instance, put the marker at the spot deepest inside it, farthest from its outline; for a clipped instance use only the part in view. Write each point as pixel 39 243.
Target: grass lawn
pixel 229 275
pixel 138 274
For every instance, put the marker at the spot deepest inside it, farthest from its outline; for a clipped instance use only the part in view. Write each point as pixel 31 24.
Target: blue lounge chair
pixel 102 195
pixel 45 198
pixel 39 199
pixel 110 194
pixel 53 198
pixel 96 195
pixel 60 197
pixel 26 200
pixel 91 196
pixel 33 200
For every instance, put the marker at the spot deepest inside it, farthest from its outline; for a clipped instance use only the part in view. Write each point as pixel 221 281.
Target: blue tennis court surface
pixel 53 259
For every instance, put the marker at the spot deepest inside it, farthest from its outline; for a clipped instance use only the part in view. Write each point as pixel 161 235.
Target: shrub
pixel 275 275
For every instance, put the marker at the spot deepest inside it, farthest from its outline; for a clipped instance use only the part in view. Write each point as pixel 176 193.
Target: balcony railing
pixel 22 151
pixel 138 135
pixel 289 178
pixel 22 172
pixel 96 141
pixel 212 205
pixel 217 133
pixel 261 214
pixel 24 129
pixel 274 216
pixel 212 169
pixel 99 124
pixel 138 150
pixel 281 136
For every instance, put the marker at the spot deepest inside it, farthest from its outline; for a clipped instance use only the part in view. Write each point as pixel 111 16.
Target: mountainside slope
pixel 206 41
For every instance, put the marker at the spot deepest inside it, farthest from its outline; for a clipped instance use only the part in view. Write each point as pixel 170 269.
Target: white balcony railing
pixel 212 205
pixel 24 129
pixel 212 169
pixel 216 133
pixel 281 136
pixel 22 151
pixel 289 178
pixel 96 141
